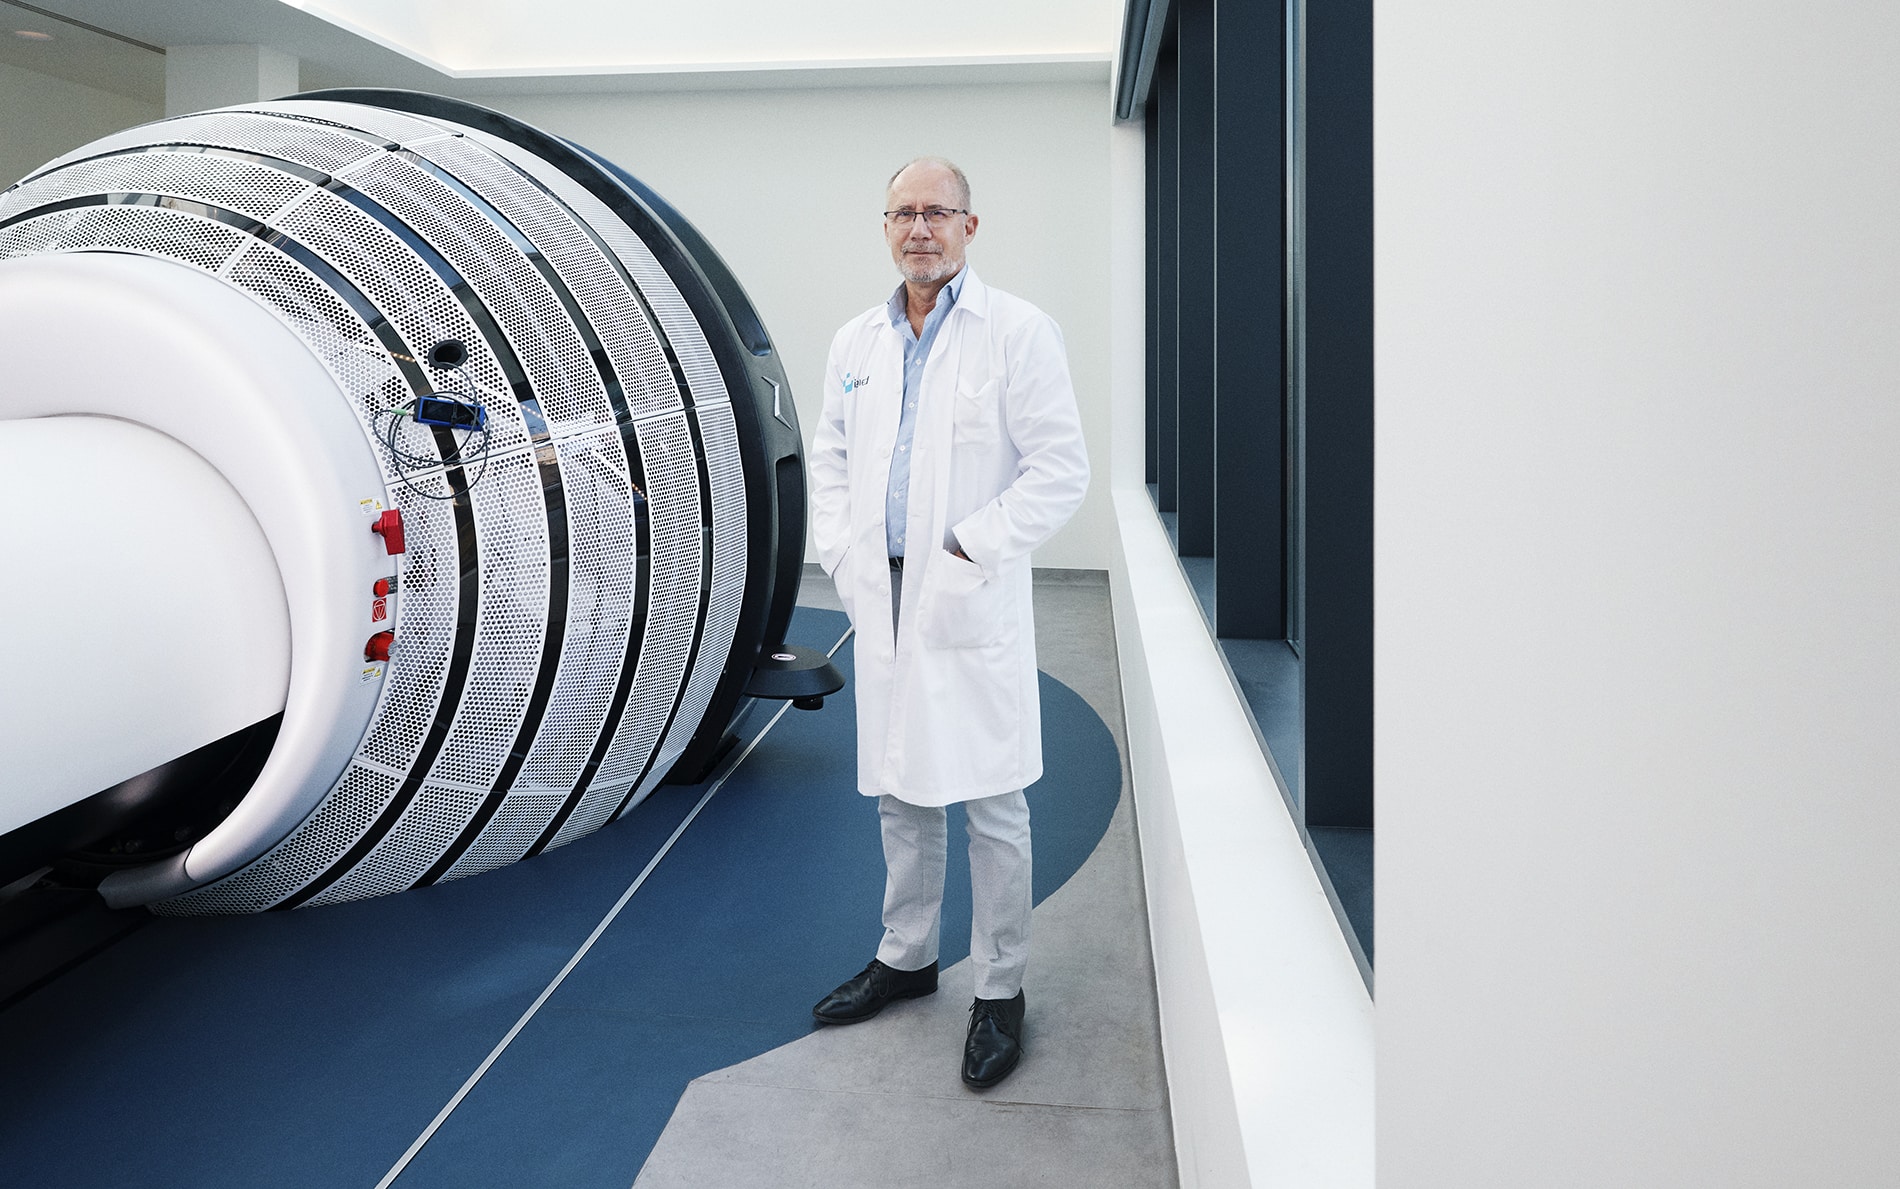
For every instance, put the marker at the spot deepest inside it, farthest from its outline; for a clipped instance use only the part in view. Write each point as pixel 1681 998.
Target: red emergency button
pixel 383 587
pixel 378 647
pixel 389 524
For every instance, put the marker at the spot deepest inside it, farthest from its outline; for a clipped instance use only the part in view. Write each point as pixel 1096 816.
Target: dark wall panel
pixel 1151 464
pixel 1167 248
pixel 1250 341
pixel 1194 440
pixel 1338 479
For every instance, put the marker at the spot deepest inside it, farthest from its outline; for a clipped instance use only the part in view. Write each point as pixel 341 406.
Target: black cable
pixel 471 451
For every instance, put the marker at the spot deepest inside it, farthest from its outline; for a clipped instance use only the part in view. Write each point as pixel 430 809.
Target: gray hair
pixel 963 183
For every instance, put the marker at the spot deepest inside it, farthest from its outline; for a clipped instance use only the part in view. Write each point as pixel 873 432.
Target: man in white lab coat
pixel 949 448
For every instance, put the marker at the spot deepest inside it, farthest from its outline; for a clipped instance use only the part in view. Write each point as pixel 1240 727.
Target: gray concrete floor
pixel 881 1103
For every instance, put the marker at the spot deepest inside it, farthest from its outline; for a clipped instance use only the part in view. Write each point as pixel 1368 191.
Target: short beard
pixel 924 269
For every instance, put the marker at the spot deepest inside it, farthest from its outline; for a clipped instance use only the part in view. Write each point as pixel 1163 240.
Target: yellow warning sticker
pixel 370 674
pixel 370 507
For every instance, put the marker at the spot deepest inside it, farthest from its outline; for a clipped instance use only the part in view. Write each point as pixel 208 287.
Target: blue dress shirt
pixel 916 352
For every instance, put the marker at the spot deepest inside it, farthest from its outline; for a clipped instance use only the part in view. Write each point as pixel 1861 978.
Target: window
pixel 1259 401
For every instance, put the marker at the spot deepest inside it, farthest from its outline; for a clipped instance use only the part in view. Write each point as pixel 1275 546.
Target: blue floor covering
pixel 311 1048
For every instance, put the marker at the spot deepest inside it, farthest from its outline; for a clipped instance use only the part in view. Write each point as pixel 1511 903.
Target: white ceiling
pixel 596 36
pixel 477 47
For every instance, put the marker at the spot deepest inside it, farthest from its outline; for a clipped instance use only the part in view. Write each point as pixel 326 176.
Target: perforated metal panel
pixel 714 436
pixel 356 802
pixel 175 235
pixel 726 585
pixel 673 607
pixel 427 827
pixel 672 614
pixel 327 149
pixel 601 593
pixel 582 262
pixel 520 822
pixel 562 623
pixel 683 334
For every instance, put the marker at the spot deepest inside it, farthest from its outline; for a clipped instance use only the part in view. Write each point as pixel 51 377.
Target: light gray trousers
pixel 915 849
pixel 916 841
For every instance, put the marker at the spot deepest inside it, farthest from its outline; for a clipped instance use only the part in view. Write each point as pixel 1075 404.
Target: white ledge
pixel 1266 1025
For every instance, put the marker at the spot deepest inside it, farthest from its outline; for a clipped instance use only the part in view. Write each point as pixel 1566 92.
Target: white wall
pixel 201 77
pixel 45 117
pixel 1638 594
pixel 788 186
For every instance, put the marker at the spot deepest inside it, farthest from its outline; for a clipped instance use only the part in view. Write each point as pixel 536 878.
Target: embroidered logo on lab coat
pixel 853 382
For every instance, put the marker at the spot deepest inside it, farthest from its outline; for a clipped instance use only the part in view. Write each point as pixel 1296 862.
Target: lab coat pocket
pixel 976 418
pixel 961 608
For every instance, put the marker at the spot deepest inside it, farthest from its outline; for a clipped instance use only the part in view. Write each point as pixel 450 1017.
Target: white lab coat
pixel 948 710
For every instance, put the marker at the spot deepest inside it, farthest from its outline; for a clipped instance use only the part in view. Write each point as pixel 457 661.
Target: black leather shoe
pixel 859 998
pixel 995 1042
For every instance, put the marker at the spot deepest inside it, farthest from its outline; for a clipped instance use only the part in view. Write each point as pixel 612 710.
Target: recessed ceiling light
pixel 32 35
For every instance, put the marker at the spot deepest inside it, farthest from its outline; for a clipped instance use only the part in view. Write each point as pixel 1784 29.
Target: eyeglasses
pixel 936 216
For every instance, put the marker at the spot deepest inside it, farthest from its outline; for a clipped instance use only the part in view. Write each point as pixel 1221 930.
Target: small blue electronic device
pixel 450 413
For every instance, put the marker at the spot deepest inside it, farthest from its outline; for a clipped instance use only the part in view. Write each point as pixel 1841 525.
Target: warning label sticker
pixel 370 507
pixel 370 674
